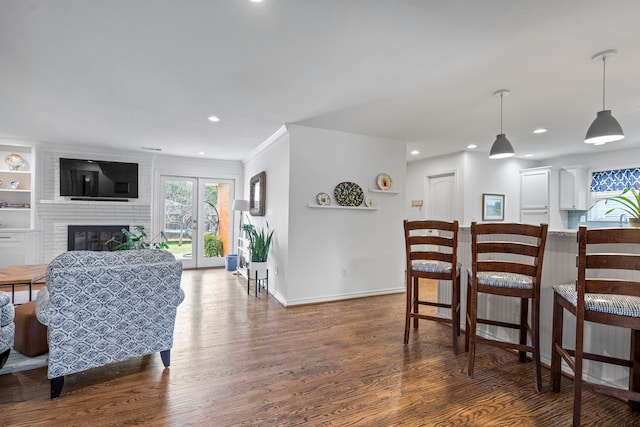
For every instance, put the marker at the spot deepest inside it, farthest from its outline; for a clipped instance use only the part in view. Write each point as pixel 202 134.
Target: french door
pixel 196 219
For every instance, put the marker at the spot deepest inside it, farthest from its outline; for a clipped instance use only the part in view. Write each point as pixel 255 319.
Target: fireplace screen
pixel 93 237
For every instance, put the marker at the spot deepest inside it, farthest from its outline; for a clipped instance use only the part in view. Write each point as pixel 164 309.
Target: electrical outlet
pixel 345 273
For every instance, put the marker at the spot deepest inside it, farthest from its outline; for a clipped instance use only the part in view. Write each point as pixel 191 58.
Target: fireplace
pixel 93 237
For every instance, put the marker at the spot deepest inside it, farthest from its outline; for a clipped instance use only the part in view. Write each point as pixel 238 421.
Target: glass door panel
pixel 215 231
pixel 197 219
pixel 179 200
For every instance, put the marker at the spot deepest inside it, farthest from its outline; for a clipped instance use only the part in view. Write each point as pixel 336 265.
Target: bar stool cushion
pixel 434 266
pixel 602 303
pixel 504 280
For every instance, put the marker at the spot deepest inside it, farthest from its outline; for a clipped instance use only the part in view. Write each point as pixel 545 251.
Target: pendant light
pixel 605 128
pixel 501 148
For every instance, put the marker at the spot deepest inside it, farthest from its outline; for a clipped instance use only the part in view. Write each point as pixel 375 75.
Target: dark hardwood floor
pixel 244 361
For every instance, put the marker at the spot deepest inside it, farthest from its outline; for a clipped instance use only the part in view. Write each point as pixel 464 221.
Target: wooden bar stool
pixel 506 260
pixel 610 256
pixel 431 253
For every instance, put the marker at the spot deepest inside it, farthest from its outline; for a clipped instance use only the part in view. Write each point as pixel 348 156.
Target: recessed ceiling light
pixel 256 1
pixel 213 119
pixel 202 153
pixel 540 130
pixel 415 152
pixel 472 146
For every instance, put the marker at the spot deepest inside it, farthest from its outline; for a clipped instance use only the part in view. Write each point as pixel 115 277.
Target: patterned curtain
pixel 615 180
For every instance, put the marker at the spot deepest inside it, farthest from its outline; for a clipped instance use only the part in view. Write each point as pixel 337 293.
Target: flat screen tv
pixel 98 179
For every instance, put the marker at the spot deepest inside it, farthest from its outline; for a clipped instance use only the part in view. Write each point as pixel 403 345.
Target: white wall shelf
pixel 373 190
pixel 362 208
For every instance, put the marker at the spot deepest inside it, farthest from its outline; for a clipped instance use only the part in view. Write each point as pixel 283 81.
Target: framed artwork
pixel 492 207
pixel 257 193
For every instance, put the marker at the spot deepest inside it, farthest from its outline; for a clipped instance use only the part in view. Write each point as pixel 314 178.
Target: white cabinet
pixel 16 185
pixel 534 188
pixel 18 248
pixel 534 216
pixel 573 189
pixel 534 195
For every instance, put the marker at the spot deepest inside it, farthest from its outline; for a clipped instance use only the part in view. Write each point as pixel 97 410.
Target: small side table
pixel 17 275
pixel 264 282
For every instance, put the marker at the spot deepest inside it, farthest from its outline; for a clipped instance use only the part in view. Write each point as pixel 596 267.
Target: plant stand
pixel 262 282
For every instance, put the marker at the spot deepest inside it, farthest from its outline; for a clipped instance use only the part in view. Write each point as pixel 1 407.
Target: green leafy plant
pixel 138 239
pixel 213 246
pixel 260 241
pixel 628 203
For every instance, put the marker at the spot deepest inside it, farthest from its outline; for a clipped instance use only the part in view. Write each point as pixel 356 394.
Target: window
pixel 610 183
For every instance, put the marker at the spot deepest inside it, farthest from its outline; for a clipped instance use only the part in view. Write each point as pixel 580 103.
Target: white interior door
pixel 441 200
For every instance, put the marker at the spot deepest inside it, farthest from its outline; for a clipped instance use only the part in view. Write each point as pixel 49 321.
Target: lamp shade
pixel 501 148
pixel 240 205
pixel 605 128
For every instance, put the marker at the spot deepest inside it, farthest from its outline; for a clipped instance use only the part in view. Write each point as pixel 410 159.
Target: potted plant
pixel 628 202
pixel 259 243
pixel 138 239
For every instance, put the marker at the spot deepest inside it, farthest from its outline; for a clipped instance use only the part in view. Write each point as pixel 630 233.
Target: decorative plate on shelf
pixel 323 199
pixel 348 194
pixel 371 202
pixel 14 161
pixel 384 181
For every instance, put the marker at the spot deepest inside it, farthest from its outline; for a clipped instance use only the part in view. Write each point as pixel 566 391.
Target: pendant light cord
pixel 604 71
pixel 501 96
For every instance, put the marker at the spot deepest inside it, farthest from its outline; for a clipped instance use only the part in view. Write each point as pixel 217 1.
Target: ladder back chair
pixel 431 253
pixel 607 292
pixel 506 260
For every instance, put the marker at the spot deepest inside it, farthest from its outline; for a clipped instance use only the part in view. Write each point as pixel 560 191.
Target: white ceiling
pixel 127 74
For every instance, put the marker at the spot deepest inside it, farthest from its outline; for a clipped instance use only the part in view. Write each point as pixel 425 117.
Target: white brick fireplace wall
pixel 55 213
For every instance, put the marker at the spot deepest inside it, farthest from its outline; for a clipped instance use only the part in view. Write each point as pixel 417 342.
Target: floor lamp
pixel 239 205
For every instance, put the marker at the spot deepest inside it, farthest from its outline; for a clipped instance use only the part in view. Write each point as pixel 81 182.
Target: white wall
pixel 274 160
pixel 417 173
pixel 314 246
pixel 55 213
pixel 476 174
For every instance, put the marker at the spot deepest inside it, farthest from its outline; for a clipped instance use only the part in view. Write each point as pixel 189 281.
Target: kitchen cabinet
pixel 534 216
pixel 534 188
pixel 573 189
pixel 534 195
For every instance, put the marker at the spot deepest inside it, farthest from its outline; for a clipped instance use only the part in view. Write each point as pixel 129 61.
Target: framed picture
pixel 492 207
pixel 257 193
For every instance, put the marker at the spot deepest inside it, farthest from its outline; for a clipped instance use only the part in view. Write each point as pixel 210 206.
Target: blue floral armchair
pixel 104 307
pixel 7 328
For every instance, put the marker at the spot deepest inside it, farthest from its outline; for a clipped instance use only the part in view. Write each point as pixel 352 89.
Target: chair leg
pixel 556 359
pixel 577 375
pixel 3 357
pixel 455 312
pixel 416 298
pixel 56 387
pixel 471 331
pixel 165 355
pixel 467 329
pixel 524 320
pixel 407 320
pixel 535 342
pixel 634 376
